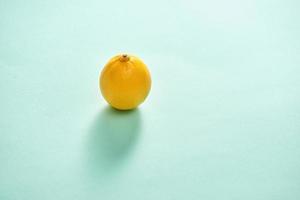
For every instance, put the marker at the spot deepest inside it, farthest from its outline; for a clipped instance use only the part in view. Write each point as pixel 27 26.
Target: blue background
pixel 222 120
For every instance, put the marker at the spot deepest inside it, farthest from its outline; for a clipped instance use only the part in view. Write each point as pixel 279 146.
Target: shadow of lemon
pixel 111 139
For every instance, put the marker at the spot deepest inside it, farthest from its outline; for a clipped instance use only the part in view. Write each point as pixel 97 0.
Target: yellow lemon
pixel 125 82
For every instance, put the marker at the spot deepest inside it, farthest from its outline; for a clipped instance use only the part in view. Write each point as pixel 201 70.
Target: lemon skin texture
pixel 125 82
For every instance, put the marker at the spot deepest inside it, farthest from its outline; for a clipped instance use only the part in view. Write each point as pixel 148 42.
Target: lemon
pixel 125 82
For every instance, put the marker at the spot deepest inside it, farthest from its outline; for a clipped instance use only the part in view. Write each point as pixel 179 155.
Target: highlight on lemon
pixel 125 82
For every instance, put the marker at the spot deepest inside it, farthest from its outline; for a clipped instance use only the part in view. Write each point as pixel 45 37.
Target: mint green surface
pixel 222 120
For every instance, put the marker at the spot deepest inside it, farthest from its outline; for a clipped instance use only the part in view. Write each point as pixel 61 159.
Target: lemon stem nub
pixel 124 58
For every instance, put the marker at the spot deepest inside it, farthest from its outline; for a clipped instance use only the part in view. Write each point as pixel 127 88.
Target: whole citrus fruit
pixel 125 82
